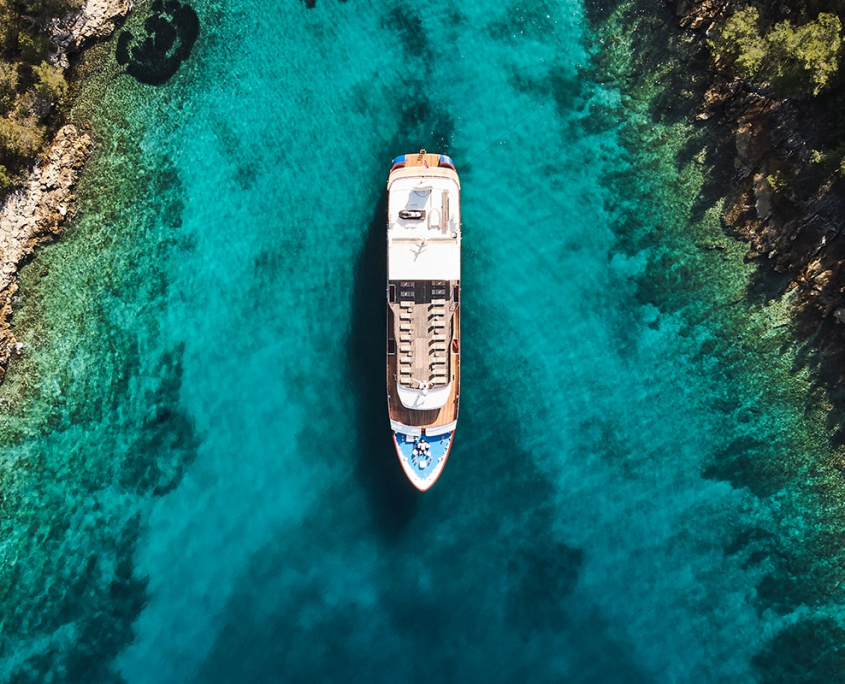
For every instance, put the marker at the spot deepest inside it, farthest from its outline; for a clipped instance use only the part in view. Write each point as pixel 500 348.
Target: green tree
pixel 792 59
pixel 5 178
pixel 740 40
pixel 31 89
pixel 808 52
pixel 32 47
pixel 50 89
pixel 19 139
pixel 8 85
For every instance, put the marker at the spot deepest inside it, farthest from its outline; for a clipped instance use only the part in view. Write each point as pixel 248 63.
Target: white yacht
pixel 423 311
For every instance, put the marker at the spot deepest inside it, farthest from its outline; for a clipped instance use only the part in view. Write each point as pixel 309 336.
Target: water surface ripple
pixel 198 484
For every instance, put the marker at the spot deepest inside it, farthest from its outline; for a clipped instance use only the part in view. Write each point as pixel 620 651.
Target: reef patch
pixel 170 33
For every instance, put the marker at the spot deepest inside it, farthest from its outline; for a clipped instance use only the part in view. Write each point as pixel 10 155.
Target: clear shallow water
pixel 199 481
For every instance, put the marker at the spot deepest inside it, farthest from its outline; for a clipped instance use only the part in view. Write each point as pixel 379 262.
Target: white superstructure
pixel 427 248
pixel 423 300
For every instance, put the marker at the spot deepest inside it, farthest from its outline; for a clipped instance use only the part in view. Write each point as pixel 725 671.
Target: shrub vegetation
pixel 32 89
pixel 790 49
pixel 791 59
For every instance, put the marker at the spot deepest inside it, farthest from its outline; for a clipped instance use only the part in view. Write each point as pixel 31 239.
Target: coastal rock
pixel 37 212
pixel 34 215
pixel 782 199
pixel 743 137
pixel 699 14
pixel 96 20
pixel 762 195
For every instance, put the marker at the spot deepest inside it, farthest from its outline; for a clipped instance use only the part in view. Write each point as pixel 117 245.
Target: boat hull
pixel 423 312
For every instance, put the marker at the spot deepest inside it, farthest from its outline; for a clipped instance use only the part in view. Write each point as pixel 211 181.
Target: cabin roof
pixel 427 245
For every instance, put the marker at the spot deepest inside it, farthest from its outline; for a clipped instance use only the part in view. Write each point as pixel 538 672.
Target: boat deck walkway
pixel 425 325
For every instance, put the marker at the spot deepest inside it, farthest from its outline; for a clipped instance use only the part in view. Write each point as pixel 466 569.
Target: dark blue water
pixel 198 479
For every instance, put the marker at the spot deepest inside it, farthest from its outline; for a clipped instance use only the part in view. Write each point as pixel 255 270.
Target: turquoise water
pixel 198 479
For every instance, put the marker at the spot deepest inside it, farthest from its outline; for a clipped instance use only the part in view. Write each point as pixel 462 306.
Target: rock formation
pixel 37 212
pixel 96 20
pixel 779 201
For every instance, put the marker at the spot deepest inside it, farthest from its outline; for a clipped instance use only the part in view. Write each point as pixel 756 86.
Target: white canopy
pixel 420 400
pixel 396 426
pixel 421 259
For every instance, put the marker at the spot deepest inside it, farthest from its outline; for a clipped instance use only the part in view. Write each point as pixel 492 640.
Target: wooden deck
pixel 423 317
pixel 431 353
pixel 421 159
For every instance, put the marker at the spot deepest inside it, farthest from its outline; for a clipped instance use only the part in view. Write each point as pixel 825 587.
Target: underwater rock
pixel 311 4
pixel 170 33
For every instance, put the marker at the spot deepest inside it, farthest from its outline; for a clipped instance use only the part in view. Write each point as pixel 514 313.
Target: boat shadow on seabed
pixel 393 498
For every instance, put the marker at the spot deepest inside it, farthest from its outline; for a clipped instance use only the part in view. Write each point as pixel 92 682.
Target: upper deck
pixel 424 224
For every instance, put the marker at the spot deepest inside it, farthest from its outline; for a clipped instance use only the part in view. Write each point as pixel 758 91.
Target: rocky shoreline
pixel 795 224
pixel 797 232
pixel 37 212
